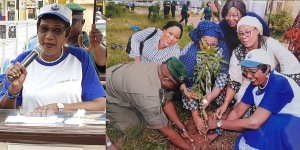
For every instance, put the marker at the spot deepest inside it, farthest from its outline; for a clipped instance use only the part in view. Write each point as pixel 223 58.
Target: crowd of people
pixel 259 82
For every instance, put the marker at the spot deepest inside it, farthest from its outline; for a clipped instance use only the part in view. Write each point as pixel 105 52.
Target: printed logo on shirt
pixel 69 80
pixel 249 56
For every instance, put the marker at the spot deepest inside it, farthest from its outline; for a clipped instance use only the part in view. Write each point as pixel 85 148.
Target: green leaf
pixel 204 44
pixel 224 61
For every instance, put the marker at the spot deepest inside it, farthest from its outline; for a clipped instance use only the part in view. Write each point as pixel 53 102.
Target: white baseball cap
pixel 256 57
pixel 61 11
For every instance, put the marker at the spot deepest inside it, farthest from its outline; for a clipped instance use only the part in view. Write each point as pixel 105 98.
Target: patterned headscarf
pixel 204 28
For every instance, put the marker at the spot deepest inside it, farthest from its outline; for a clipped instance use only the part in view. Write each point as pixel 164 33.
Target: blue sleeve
pixel 222 25
pixel 7 84
pixel 277 97
pixel 266 28
pixel 91 85
pixel 248 97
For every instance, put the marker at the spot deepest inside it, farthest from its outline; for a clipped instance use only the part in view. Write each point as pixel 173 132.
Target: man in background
pixel 173 8
pixel 184 12
pixel 167 7
pixel 98 54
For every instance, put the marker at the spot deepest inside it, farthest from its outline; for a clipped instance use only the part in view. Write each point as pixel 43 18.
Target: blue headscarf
pixel 204 28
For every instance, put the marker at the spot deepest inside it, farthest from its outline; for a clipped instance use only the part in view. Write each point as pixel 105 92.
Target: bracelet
pixel 218 131
pixel 11 96
pixel 183 130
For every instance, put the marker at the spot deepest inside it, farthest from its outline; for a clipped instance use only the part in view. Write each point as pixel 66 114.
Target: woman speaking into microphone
pixel 61 78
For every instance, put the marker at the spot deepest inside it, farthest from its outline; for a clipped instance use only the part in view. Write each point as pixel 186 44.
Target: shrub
pixel 280 21
pixel 112 10
pixel 155 14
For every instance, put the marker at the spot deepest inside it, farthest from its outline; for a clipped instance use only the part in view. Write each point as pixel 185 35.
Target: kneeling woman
pixel 211 33
pixel 274 123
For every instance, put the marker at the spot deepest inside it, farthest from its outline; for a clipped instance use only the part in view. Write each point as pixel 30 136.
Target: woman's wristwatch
pixel 183 130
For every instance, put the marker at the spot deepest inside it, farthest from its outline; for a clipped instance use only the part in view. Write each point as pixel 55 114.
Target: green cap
pixel 76 8
pixel 178 70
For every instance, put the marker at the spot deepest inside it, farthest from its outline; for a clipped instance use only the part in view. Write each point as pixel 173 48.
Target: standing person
pixel 184 12
pixel 207 13
pixel 150 9
pixel 141 89
pixel 211 33
pixel 276 120
pixel 97 55
pixel 173 8
pixel 61 78
pixel 160 47
pixel 132 6
pixel 127 5
pixel 232 12
pixel 292 36
pixel 167 7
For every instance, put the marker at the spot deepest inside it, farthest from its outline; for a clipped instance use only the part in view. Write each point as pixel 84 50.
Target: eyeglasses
pixel 74 20
pixel 251 72
pixel 247 33
pixel 55 30
pixel 212 45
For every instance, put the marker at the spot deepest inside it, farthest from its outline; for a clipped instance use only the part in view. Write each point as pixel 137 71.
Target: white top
pixel 71 79
pixel 274 98
pixel 278 53
pixel 150 52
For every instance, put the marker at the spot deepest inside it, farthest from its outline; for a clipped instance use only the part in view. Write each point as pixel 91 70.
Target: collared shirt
pixel 150 52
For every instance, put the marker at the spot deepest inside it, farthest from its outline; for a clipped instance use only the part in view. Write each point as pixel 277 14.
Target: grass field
pixel 141 137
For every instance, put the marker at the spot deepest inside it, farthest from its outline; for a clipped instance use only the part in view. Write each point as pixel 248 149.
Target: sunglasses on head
pixel 56 30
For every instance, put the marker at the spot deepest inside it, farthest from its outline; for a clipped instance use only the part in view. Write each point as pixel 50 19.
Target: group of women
pixel 262 93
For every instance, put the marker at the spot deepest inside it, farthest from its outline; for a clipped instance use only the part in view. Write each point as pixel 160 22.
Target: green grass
pixel 118 32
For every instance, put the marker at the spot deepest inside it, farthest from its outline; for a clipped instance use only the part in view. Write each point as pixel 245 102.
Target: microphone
pixel 37 50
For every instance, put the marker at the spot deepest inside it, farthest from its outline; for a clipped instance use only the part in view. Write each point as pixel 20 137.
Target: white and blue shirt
pixel 71 79
pixel 280 96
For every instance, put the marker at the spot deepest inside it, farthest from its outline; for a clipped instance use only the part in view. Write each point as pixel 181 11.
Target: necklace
pixel 62 52
pixel 261 88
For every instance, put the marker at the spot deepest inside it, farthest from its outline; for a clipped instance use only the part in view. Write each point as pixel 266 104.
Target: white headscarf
pixel 251 21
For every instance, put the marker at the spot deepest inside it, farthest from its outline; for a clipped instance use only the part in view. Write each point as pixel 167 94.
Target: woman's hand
pixel 137 59
pixel 200 125
pixel 189 95
pixel 212 123
pixel 209 97
pixel 220 111
pixel 45 110
pixel 18 71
